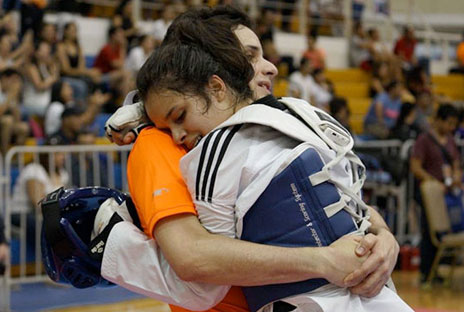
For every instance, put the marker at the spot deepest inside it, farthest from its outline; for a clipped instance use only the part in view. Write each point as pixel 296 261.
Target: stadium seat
pixel 347 75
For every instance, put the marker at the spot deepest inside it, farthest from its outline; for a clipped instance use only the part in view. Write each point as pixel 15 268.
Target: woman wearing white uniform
pixel 193 87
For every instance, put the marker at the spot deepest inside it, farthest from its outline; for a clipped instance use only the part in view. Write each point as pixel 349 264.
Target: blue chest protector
pixel 290 213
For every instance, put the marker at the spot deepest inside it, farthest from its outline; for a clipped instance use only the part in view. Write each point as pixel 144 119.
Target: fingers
pixel 366 244
pixel 372 264
pixel 372 285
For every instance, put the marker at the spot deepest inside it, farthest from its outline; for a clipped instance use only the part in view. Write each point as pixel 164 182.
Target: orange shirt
pixel 158 191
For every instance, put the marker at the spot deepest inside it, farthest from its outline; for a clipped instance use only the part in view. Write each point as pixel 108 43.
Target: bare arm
pixel 35 191
pixel 197 255
pixel 38 83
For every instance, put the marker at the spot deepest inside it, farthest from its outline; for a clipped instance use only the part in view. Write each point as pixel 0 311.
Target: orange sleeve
pixel 155 182
pixel 460 54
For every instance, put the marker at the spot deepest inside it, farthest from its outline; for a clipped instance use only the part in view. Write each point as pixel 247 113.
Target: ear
pixel 217 88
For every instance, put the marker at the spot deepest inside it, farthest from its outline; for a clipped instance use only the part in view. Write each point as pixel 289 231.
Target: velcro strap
pixel 332 209
pixel 133 213
pixel 319 177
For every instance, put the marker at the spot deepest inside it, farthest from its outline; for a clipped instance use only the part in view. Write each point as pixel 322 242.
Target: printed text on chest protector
pixel 302 206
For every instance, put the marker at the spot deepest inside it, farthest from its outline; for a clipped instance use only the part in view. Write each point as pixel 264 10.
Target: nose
pixel 179 135
pixel 269 69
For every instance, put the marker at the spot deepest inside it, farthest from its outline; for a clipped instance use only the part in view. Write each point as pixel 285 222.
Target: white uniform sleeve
pixel 135 262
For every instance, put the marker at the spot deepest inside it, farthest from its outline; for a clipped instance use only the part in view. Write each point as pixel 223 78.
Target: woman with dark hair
pixel 41 73
pixel 123 18
pixel 72 63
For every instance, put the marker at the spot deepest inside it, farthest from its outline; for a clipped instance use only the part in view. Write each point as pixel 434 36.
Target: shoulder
pixel 153 143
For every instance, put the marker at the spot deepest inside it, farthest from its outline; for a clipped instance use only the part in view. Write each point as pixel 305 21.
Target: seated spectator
pixel 139 54
pixel 383 112
pixel 459 69
pixel 424 111
pixel 72 64
pixel 48 33
pixel 41 73
pixel 359 48
pixel 70 126
pixel 110 62
pixel 404 48
pixel 316 55
pixel 161 25
pixel 381 77
pixel 9 58
pixel 62 98
pixel 340 111
pixel 321 91
pixel 265 25
pixel 405 127
pixel 435 156
pixel 13 130
pixel 36 180
pixel 4 249
pixel 378 50
pixel 123 18
pixel 301 81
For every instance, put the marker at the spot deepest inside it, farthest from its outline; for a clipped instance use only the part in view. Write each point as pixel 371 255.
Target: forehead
pixel 247 37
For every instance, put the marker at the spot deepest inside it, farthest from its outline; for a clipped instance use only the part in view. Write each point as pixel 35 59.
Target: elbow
pixel 193 268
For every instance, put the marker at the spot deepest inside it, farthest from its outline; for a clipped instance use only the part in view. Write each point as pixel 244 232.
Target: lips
pixel 265 84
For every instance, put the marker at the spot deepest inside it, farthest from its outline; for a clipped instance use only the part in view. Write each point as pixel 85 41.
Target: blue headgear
pixel 68 218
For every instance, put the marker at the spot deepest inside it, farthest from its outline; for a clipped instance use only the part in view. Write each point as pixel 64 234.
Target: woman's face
pixel 43 51
pixel 265 71
pixel 71 32
pixel 187 116
pixel 66 92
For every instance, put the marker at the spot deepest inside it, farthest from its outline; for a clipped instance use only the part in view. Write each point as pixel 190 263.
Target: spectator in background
pixel 70 126
pixel 32 12
pixel 321 91
pixel 384 112
pixel 9 58
pixel 424 111
pixel 72 64
pixel 36 180
pixel 4 250
pixel 265 25
pixel 405 127
pixel 435 157
pixel 301 81
pixel 110 62
pixel 62 98
pixel 404 48
pixel 417 80
pixel 13 130
pixel 48 33
pixel 381 77
pixel 359 48
pixel 139 54
pixel 161 25
pixel 124 19
pixel 314 54
pixel 378 50
pixel 41 73
pixel 340 111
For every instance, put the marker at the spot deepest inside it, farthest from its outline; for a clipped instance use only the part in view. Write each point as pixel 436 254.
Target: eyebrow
pixel 252 47
pixel 170 112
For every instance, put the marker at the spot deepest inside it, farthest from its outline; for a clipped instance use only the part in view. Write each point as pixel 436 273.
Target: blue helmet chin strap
pixel 68 217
